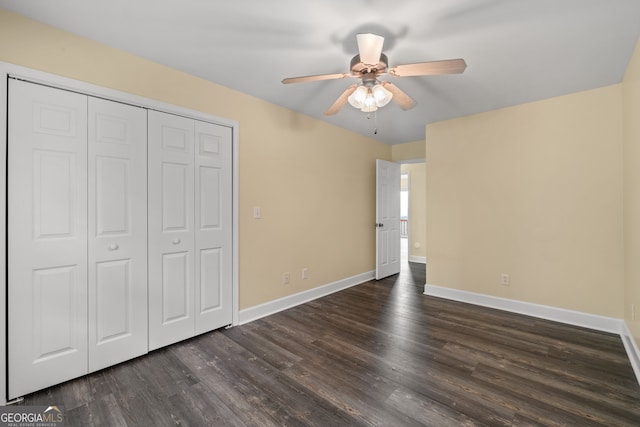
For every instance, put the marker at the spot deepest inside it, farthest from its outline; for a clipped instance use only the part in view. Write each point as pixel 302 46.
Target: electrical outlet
pixel 504 279
pixel 305 273
pixel 286 278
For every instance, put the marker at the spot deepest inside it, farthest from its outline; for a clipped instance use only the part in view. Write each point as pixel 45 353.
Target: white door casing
pixel 47 239
pixel 171 228
pixel 387 218
pixel 117 144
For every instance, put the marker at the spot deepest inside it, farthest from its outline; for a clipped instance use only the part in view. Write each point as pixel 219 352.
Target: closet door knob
pixel 175 241
pixel 113 247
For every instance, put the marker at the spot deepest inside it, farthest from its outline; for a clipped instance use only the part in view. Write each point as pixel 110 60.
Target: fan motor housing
pixel 358 68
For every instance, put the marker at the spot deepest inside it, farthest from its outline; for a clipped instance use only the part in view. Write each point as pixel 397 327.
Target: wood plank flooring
pixel 380 353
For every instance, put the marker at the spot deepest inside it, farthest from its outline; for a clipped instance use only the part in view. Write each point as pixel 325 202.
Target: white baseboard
pixel 418 259
pixel 632 349
pixel 254 313
pixel 576 318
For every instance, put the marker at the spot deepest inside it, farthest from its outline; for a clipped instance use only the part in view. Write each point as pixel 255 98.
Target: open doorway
pixel 413 212
pixel 404 217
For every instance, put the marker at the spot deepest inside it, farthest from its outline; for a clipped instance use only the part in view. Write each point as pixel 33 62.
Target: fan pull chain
pixel 375 121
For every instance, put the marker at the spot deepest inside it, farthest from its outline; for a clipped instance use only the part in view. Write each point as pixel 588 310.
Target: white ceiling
pixel 516 50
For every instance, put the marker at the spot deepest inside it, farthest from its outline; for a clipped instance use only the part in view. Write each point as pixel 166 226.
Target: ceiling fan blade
pixel 447 66
pixel 369 48
pixel 303 79
pixel 342 99
pixel 399 97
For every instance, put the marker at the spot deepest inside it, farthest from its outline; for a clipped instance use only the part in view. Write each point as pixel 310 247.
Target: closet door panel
pixel 213 238
pixel 113 308
pixel 176 182
pixel 175 290
pixel 117 138
pixel 47 237
pixel 171 229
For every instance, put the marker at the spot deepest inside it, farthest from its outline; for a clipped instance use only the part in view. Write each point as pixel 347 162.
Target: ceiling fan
pixel 368 65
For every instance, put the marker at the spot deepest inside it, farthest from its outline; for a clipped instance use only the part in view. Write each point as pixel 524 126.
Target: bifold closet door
pixel 214 236
pixel 190 228
pixel 77 235
pixel 171 229
pixel 117 141
pixel 47 236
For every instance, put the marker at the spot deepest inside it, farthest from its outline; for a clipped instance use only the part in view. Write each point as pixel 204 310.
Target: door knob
pixel 175 241
pixel 379 225
pixel 113 247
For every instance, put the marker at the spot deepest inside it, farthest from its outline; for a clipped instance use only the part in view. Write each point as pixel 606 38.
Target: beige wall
pixel 631 132
pixel 292 166
pixel 417 208
pixel 534 191
pixel 408 151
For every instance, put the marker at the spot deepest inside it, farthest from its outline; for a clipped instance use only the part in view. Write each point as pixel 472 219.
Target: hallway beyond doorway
pixel 404 249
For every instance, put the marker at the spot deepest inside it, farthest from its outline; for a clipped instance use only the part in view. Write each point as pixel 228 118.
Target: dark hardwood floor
pixel 380 353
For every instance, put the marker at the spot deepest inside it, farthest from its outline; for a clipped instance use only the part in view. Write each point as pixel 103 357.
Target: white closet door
pixel 47 198
pixel 213 226
pixel 171 229
pixel 117 232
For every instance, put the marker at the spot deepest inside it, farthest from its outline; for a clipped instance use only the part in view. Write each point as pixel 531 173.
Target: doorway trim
pixel 15 71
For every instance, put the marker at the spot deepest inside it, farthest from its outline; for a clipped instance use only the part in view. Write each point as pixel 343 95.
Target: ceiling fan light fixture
pixel 369 103
pixel 381 95
pixel 368 98
pixel 357 98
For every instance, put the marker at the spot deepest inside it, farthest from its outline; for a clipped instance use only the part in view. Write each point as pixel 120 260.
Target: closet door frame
pixel 8 70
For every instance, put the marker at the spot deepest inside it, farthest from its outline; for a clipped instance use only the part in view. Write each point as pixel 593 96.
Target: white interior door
pixel 117 142
pixel 171 228
pixel 387 218
pixel 213 240
pixel 47 257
